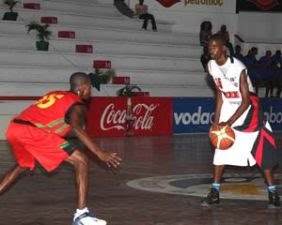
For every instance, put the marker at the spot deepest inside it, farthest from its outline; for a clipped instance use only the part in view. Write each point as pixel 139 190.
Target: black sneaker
pixel 274 199
pixel 212 198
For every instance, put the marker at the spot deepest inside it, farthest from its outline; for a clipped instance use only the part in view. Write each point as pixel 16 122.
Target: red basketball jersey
pixel 50 110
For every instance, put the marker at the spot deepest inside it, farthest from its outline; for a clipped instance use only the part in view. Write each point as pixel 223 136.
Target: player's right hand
pixel 111 159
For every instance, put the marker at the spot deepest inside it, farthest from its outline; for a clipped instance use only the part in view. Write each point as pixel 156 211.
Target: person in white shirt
pixel 237 106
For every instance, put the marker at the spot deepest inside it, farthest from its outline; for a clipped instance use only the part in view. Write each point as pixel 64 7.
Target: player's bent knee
pixel 78 158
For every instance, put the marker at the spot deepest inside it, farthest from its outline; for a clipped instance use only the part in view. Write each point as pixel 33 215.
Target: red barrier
pixel 31 6
pixel 66 34
pixel 109 116
pixel 102 64
pixel 84 48
pixel 121 80
pixel 49 19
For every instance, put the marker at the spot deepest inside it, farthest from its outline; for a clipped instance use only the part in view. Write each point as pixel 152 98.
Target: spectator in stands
pixel 266 73
pixel 123 8
pixel 277 67
pixel 205 32
pixel 225 34
pixel 141 10
pixel 252 65
pixel 238 53
pixel 205 57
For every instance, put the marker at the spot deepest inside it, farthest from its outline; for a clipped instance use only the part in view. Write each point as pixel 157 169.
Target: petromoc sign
pixel 204 2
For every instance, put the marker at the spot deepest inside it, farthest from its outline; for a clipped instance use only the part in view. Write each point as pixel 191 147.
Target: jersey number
pixel 48 100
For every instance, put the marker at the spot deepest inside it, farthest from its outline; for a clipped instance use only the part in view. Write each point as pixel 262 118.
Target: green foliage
pixel 43 34
pixel 128 90
pixel 105 76
pixel 11 4
pixel 101 77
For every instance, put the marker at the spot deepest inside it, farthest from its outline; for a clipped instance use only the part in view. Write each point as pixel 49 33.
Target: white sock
pixel 80 212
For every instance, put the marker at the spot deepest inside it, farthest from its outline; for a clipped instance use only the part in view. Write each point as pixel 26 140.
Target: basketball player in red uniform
pixel 38 135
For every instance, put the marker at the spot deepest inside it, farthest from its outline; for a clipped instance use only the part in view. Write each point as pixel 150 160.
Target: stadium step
pixel 26 57
pixel 108 34
pixel 26 42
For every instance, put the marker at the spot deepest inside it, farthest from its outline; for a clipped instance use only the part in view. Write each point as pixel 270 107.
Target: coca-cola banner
pixel 122 116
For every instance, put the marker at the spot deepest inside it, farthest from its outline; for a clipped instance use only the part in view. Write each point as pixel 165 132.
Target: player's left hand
pixel 224 124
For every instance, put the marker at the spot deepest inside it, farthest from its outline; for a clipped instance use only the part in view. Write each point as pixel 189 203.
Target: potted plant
pixel 128 90
pixel 43 35
pixel 11 15
pixel 101 76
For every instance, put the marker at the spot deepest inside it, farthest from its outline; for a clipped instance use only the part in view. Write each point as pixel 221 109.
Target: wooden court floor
pixel 49 199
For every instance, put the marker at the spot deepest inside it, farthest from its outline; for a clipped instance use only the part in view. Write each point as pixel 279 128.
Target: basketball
pixel 222 137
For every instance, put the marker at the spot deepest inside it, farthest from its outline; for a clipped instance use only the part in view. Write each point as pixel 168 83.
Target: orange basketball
pixel 222 137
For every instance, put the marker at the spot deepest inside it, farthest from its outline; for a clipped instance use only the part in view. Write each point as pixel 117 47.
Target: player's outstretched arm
pixel 77 118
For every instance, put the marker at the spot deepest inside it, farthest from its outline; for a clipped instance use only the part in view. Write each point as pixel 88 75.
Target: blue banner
pixel 192 115
pixel 272 110
pixel 195 115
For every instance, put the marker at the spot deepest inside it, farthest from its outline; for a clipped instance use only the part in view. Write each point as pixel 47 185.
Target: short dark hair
pixel 77 79
pixel 219 38
pixel 204 23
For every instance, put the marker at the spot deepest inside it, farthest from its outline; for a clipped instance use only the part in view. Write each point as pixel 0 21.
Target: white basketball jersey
pixel 227 78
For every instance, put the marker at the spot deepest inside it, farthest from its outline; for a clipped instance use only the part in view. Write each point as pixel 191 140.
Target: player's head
pixel 217 47
pixel 80 84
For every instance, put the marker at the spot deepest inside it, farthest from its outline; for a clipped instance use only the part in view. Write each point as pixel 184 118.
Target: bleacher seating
pixel 162 63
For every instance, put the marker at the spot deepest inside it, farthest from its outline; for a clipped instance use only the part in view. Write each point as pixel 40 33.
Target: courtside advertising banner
pixel 195 115
pixel 108 116
pixel 192 115
pixel 272 110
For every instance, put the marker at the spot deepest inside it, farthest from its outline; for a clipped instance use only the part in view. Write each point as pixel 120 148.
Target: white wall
pixel 187 18
pixel 252 26
pixel 262 27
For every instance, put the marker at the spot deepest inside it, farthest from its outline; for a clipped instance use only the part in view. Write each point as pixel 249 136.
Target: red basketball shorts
pixel 30 145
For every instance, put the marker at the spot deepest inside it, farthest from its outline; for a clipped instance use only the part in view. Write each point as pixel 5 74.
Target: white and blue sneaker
pixel 86 219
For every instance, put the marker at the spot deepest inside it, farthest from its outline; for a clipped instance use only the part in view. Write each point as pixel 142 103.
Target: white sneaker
pixel 86 219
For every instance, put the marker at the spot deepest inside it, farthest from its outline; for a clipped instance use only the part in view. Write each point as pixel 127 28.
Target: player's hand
pixel 223 124
pixel 215 126
pixel 111 159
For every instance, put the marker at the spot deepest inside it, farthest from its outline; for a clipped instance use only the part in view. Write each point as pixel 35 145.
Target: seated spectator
pixel 225 34
pixel 205 57
pixel 252 65
pixel 238 53
pixel 266 73
pixel 277 67
pixel 123 8
pixel 205 33
pixel 141 10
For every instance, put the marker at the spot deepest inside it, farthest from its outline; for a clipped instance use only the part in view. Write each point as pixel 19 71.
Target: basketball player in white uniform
pixel 237 106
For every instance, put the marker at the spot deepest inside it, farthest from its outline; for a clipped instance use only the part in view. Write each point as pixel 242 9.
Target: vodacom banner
pixel 116 116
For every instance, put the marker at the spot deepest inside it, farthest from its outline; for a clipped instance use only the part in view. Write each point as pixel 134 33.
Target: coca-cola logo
pixel 113 118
